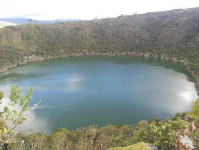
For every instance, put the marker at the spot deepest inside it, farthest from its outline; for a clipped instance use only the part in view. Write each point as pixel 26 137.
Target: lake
pixel 100 90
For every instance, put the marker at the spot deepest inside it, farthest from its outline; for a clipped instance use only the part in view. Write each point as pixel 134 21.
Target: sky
pixel 86 9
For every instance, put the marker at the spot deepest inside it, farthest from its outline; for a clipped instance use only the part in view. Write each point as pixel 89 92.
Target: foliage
pixel 137 146
pixel 194 112
pixel 13 117
pixel 1 95
pixel 163 134
pixel 79 139
pixel 153 119
pixel 195 138
pixel 160 134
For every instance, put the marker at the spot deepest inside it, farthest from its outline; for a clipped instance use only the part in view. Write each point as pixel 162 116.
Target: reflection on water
pixel 77 92
pixel 72 83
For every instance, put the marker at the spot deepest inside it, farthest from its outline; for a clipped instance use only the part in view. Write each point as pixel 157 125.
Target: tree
pixel 194 109
pixel 29 21
pixel 11 118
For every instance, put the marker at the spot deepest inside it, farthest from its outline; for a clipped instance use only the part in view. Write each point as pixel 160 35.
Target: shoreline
pixel 33 58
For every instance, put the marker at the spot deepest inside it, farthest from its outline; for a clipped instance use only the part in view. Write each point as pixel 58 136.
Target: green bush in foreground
pixel 162 134
pixel 11 118
pixel 137 146
pixel 194 110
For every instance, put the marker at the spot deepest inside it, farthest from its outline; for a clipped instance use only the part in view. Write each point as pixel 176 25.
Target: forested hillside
pixel 171 35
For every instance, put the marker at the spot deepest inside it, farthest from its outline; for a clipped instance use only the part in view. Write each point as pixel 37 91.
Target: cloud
pixel 87 9
pixel 73 83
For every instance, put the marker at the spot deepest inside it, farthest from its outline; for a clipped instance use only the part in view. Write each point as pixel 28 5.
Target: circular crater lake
pixel 100 90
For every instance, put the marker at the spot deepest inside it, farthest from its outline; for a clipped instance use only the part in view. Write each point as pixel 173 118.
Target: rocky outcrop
pixel 174 59
pixel 184 143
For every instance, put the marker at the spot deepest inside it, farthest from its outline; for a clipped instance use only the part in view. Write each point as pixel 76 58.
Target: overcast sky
pixel 86 9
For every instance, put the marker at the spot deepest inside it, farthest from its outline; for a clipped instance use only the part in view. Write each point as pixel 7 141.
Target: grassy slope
pixel 137 146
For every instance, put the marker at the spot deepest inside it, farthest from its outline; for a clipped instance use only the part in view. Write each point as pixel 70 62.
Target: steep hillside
pixel 170 35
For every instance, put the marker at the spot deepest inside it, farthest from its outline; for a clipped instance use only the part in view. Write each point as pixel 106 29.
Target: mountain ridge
pixel 21 21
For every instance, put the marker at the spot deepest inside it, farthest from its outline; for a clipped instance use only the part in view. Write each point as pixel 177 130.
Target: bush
pixel 162 134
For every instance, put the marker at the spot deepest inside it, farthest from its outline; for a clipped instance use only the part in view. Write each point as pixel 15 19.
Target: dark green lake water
pixel 80 91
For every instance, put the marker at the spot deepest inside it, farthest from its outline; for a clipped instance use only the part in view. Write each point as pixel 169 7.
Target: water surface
pixel 100 90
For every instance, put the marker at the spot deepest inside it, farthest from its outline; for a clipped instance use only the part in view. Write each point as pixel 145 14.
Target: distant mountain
pixel 4 23
pixel 27 20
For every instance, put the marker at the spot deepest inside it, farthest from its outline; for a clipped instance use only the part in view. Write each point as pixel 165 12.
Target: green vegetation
pixel 195 137
pixel 194 110
pixel 171 35
pixel 162 135
pixel 138 146
pixel 14 116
